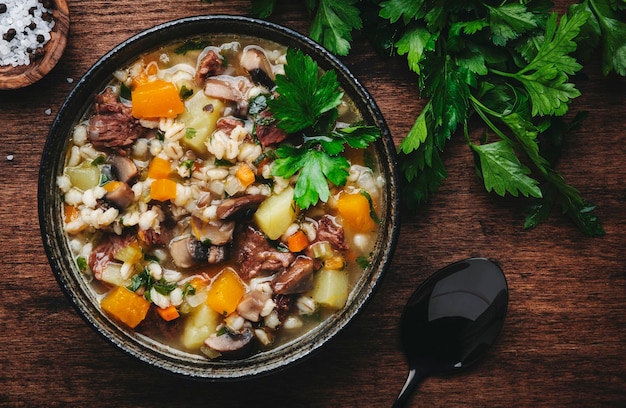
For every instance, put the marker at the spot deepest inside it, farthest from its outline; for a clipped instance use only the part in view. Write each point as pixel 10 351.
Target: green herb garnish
pixel 100 159
pixel 81 262
pixel 185 93
pixel 190 133
pixel 307 105
pixel 125 92
pixel 362 261
pixel 223 163
pixel 145 280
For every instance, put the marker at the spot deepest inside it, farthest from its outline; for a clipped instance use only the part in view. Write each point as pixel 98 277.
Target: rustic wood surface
pixel 564 340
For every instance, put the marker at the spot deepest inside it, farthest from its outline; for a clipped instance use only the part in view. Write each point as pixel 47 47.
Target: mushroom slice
pixel 237 206
pixel 186 252
pixel 252 305
pixel 230 344
pixel 212 232
pixel 123 168
pixel 121 197
pixel 254 60
pixel 229 88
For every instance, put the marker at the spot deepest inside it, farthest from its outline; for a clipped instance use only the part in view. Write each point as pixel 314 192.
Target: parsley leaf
pixel 394 10
pixel 612 33
pixel 502 171
pixel 546 75
pixel 509 21
pixel 333 23
pixel 304 96
pixel 315 166
pixel 306 103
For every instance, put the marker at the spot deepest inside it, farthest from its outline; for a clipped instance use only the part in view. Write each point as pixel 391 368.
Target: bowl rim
pixel 55 243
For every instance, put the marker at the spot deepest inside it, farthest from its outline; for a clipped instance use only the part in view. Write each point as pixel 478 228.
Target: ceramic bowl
pixel 56 244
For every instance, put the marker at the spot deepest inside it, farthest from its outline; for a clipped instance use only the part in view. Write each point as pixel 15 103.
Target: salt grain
pixel 25 27
pixel 48 112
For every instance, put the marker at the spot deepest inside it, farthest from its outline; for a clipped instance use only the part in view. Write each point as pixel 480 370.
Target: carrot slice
pixel 163 190
pixel 169 313
pixel 156 99
pixel 297 241
pixel 71 213
pixel 245 175
pixel 159 168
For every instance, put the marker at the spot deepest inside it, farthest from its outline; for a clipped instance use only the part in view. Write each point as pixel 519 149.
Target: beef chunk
pixel 113 124
pixel 284 304
pixel 328 230
pixel 104 252
pixel 268 133
pixel 210 65
pixel 228 124
pixel 256 256
pixel 297 278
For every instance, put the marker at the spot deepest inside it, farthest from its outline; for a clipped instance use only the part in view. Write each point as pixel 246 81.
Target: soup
pixel 183 214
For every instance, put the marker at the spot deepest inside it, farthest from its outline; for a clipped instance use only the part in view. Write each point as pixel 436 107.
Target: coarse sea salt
pixel 25 27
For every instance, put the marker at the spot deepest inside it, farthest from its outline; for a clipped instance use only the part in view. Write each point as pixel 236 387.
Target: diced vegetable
pixel 201 115
pixel 70 213
pixel 276 214
pixel 169 313
pixel 130 254
pixel 245 175
pixel 159 168
pixel 336 262
pixel 225 292
pixel 322 250
pixel 297 241
pixel 112 274
pixel 156 99
pixel 201 323
pixel 330 288
pixel 112 186
pixel 163 190
pixel 84 177
pixel 354 208
pixel 125 306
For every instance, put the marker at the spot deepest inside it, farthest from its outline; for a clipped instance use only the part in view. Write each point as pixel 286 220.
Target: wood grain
pixel 564 340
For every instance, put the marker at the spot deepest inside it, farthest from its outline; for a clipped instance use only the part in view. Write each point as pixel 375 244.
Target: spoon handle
pixel 414 378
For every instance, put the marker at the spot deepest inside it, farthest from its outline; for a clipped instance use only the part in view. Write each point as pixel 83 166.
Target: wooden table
pixel 564 341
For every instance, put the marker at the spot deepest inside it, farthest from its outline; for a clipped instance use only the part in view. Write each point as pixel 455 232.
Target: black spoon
pixel 452 319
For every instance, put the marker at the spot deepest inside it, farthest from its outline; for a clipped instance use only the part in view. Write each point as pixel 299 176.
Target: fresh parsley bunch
pixel 305 107
pixel 505 66
pixel 509 65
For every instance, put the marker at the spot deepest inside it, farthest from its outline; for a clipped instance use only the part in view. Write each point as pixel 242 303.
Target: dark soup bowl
pixel 199 224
